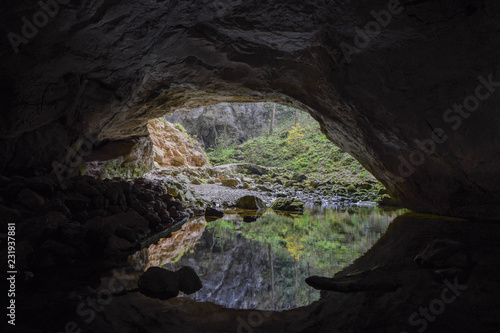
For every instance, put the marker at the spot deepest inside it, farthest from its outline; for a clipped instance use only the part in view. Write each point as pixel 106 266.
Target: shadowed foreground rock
pixel 159 283
pixel 189 281
pixel 363 311
pixel 372 280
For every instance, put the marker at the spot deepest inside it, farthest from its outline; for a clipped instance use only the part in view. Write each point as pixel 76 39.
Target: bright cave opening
pixel 240 160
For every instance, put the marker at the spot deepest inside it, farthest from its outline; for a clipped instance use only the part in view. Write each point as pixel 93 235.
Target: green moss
pixel 126 170
pixel 303 149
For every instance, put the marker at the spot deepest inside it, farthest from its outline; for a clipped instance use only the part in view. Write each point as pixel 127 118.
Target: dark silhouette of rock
pixel 248 218
pixel 30 199
pixel 189 281
pixel 159 283
pixel 212 212
pixel 443 253
pixel 376 279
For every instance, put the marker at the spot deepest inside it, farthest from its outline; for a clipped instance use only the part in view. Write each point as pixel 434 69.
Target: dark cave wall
pixel 106 67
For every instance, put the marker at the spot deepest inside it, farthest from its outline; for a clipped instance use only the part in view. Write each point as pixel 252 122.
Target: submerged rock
pixel 288 204
pixel 212 212
pixel 248 218
pixel 250 202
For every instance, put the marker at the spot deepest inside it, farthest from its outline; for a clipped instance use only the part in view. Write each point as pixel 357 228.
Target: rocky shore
pixel 223 185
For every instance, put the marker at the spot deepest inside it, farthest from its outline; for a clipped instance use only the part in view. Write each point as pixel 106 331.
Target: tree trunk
pixel 273 114
pixel 309 288
pixel 272 276
pixel 296 283
pixel 296 116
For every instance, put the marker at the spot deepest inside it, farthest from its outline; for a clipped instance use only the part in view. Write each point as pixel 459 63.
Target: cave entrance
pixel 255 257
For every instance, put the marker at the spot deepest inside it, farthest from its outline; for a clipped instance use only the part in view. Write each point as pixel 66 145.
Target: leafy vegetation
pixel 300 147
pixel 313 243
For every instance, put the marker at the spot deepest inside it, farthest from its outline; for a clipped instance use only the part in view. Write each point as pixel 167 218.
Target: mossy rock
pixel 250 202
pixel 386 200
pixel 125 170
pixel 299 177
pixel 230 182
pixel 196 181
pixel 288 204
pixel 177 161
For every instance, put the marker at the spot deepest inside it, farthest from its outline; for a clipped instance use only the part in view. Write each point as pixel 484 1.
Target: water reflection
pixel 263 265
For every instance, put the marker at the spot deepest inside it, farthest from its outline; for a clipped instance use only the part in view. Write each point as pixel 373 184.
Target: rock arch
pixel 107 67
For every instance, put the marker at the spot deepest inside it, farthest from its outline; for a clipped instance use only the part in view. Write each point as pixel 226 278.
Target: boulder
pixel 30 199
pixel 41 185
pixel 120 244
pixel 196 181
pixel 212 212
pixel 443 253
pixel 386 200
pixel 298 177
pixel 264 188
pixel 98 231
pixel 9 214
pixel 288 204
pixel 130 219
pixel 248 218
pixel 189 281
pixel 250 202
pixel 377 279
pixel 230 182
pixel 159 283
pixel 75 201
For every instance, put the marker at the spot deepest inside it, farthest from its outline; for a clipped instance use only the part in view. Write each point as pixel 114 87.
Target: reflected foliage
pixel 234 258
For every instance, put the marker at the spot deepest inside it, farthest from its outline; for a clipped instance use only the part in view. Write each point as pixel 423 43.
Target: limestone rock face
pixel 236 122
pixel 105 68
pixel 173 147
pixel 123 158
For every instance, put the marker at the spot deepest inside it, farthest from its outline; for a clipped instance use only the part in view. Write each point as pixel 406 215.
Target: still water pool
pixel 263 264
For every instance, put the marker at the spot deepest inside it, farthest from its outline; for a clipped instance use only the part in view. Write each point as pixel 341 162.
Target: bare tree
pixel 273 114
pixel 272 275
pixel 296 282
